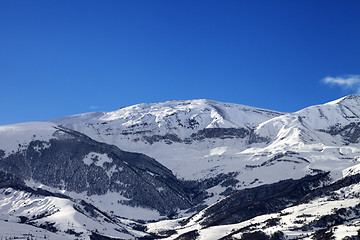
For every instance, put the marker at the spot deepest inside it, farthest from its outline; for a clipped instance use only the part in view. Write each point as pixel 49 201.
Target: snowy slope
pixel 327 136
pixel 308 125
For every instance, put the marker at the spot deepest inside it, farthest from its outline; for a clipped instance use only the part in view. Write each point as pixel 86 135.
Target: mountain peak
pixel 352 96
pixel 347 99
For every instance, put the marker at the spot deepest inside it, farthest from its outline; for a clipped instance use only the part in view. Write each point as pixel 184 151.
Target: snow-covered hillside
pixel 327 136
pixel 326 212
pixel 334 123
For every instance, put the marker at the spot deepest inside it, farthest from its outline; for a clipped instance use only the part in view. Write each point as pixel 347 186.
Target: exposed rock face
pixel 77 163
pixel 221 133
pixel 350 132
pixel 207 133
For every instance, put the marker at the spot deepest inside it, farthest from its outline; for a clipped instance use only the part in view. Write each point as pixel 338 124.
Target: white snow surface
pixel 97 158
pixel 60 211
pixel 302 126
pixel 15 137
pixel 110 202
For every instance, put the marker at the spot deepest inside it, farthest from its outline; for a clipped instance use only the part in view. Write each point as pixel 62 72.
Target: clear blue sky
pixel 63 57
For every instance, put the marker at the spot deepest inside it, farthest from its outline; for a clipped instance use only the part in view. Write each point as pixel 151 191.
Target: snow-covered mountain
pixel 188 137
pixel 173 159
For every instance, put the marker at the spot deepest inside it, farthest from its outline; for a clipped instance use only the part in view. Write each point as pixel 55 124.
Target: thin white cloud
pixel 94 107
pixel 351 82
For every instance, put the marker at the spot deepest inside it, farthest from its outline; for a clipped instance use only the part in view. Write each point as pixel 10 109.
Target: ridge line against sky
pixel 60 58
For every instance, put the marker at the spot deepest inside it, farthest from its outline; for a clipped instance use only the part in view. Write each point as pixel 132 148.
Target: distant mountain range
pixel 196 169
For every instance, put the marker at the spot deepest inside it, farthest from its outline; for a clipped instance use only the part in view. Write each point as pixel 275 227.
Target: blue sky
pixel 65 57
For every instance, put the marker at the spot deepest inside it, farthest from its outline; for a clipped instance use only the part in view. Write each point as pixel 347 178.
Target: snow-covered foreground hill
pixel 173 159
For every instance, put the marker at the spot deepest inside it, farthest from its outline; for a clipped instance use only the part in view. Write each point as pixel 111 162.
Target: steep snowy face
pixel 333 123
pixel 322 137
